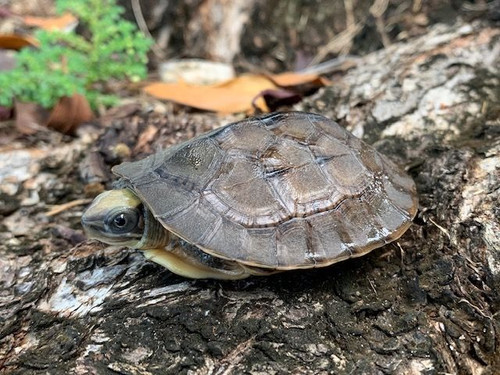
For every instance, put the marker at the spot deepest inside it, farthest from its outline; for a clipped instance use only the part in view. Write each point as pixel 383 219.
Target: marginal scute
pixel 283 191
pixel 165 198
pixel 389 216
pixel 398 196
pixel 198 222
pixel 293 243
pixel 231 236
pixel 134 171
pixel 264 241
pixel 356 226
pixel 326 239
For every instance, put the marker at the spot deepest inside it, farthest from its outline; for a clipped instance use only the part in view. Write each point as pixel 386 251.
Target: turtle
pixel 283 191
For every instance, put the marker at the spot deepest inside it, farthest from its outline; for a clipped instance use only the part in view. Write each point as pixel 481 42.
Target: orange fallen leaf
pixel 235 95
pixel 240 94
pixel 16 42
pixel 295 79
pixel 65 22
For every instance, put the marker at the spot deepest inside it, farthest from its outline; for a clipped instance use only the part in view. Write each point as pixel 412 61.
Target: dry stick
pixel 442 229
pixel 66 206
pixel 335 64
pixel 417 6
pixel 349 13
pixel 141 22
pixel 377 10
pixel 337 43
pixel 350 22
pixel 342 42
pixel 398 15
pixel 476 7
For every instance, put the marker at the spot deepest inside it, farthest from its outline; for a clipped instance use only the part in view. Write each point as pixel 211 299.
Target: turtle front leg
pixel 181 263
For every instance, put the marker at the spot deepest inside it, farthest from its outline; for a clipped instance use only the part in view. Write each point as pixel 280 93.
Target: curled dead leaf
pixel 30 117
pixel 232 96
pixel 16 41
pixel 69 113
pixel 241 94
pixel 278 98
pixel 290 79
pixel 65 117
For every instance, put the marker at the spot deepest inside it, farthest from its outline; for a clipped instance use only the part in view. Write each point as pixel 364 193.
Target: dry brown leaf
pixel 235 95
pixel 30 117
pixel 65 22
pixel 145 138
pixel 69 113
pixel 240 94
pixel 279 98
pixel 16 42
pixel 66 115
pixel 288 79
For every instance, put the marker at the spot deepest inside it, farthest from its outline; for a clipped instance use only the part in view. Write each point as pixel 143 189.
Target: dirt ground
pixel 427 94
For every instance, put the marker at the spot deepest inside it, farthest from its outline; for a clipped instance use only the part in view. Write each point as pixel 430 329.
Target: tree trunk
pixel 428 303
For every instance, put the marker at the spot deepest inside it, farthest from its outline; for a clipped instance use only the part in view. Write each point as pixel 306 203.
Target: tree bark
pixel 428 303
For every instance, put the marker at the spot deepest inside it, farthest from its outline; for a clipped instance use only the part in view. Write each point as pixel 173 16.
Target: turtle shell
pixel 282 191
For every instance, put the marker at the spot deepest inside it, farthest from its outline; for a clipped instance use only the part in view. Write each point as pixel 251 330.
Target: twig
pixel 349 13
pixel 402 255
pixel 331 65
pixel 377 10
pixel 338 43
pixel 417 6
pixel 65 206
pixel 372 284
pixel 441 228
pixel 342 42
pixel 478 310
pixel 141 22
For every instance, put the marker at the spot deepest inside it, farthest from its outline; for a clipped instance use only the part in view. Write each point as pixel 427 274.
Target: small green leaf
pixel 68 63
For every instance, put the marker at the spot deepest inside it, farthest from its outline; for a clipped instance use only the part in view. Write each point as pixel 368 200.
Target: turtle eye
pixel 120 221
pixel 124 221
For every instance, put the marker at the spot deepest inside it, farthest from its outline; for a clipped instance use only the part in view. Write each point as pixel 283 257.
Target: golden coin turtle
pixel 278 192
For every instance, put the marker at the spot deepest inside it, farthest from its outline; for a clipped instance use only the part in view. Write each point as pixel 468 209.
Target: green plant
pixel 68 63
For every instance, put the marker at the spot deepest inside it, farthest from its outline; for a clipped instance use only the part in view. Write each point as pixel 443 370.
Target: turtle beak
pixel 92 225
pixel 93 218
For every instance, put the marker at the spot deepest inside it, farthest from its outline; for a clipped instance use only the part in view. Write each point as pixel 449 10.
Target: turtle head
pixel 115 217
